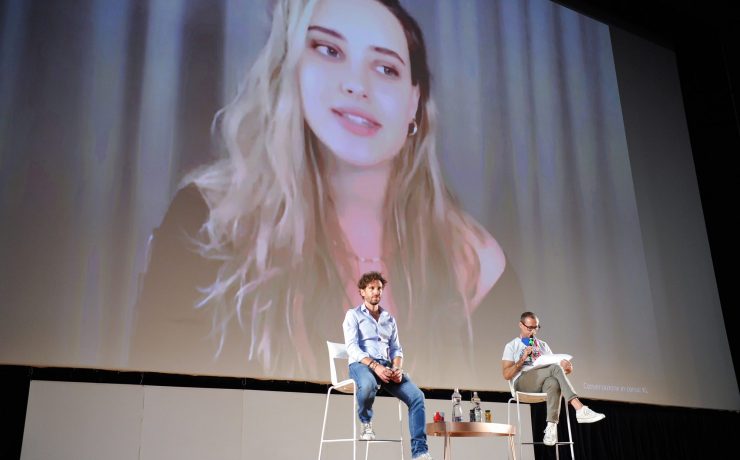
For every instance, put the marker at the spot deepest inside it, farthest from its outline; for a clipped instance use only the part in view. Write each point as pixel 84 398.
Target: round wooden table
pixel 470 430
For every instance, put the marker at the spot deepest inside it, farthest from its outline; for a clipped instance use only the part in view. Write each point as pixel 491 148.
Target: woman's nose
pixel 354 86
pixel 353 81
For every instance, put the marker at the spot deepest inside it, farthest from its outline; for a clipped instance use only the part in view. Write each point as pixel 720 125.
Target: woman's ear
pixel 413 103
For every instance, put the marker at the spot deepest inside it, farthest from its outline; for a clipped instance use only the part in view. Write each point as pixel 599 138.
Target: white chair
pixel 530 398
pixel 339 351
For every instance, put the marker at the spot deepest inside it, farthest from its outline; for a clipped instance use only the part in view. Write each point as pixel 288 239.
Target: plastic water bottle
pixel 457 406
pixel 477 411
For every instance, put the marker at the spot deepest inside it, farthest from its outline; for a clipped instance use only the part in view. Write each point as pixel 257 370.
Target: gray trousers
pixel 551 380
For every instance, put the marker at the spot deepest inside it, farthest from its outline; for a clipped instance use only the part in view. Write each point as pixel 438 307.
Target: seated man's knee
pixel 366 387
pixel 550 384
pixel 416 397
pixel 366 393
pixel 557 369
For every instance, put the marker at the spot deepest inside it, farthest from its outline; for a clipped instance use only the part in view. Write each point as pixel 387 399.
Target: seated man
pixel 517 366
pixel 375 358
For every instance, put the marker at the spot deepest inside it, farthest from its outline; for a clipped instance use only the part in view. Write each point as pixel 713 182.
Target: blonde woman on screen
pixel 329 171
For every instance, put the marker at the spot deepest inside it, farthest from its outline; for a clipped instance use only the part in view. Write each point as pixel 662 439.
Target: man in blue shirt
pixel 375 359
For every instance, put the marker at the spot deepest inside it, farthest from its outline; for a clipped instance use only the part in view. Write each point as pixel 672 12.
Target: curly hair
pixel 369 277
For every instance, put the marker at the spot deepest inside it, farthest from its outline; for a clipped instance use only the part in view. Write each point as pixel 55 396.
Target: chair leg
pixel 519 429
pixel 323 425
pixel 570 435
pixel 400 427
pixel 354 427
pixel 508 422
pixel 557 444
pixel 354 423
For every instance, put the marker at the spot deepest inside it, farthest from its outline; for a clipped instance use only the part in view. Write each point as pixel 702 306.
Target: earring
pixel 413 127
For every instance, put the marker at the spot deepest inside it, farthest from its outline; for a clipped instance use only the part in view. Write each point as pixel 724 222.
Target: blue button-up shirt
pixel 365 337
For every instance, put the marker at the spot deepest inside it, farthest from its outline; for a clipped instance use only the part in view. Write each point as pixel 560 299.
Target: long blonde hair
pixel 271 215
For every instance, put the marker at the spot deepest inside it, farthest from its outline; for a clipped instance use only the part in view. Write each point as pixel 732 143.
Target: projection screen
pixel 161 212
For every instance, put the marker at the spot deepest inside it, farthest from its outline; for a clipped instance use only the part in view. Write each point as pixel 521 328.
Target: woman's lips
pixel 357 122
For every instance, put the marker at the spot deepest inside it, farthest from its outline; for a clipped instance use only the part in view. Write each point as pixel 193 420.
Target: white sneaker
pixel 551 434
pixel 586 415
pixel 367 432
pixel 424 456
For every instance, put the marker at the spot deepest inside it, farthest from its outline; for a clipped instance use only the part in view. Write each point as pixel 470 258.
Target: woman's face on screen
pixel 355 81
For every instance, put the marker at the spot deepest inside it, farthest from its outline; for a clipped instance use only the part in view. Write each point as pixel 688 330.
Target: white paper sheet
pixel 546 360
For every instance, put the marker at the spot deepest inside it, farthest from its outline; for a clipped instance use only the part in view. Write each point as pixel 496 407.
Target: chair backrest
pixel 336 351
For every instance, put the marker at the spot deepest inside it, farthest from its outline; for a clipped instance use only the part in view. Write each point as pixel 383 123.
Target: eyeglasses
pixel 531 328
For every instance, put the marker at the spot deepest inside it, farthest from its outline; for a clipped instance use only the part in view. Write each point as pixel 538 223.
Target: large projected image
pixel 196 187
pixel 331 172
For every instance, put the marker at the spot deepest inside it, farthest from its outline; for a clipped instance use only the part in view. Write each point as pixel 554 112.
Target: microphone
pixel 529 342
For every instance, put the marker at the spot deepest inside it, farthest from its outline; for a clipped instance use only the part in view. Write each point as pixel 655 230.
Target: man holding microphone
pixel 517 362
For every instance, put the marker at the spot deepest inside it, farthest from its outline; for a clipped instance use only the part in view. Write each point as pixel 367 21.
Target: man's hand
pixel 383 373
pixel 567 366
pixel 527 351
pixel 396 374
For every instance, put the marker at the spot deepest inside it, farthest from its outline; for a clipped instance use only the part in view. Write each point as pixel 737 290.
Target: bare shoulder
pixel 490 257
pixel 492 261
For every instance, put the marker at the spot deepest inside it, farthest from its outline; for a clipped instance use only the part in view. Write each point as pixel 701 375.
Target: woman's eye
pixel 387 71
pixel 327 50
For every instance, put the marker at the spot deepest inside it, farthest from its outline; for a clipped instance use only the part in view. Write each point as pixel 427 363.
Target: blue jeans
pixel 407 391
